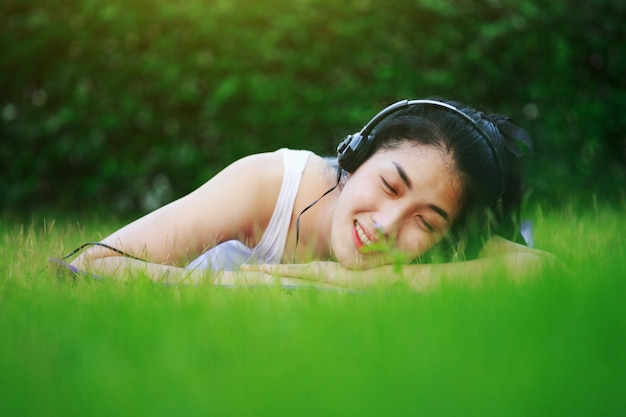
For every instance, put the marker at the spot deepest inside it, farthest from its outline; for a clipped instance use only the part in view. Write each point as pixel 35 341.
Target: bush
pixel 132 103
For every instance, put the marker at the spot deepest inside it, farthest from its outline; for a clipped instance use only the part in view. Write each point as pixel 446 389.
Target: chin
pixel 348 258
pixel 352 264
pixel 363 261
pixel 347 261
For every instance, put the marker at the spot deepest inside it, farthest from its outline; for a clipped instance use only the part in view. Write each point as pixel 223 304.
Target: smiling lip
pixel 361 238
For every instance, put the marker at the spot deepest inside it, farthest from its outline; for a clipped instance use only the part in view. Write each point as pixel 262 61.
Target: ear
pixel 353 151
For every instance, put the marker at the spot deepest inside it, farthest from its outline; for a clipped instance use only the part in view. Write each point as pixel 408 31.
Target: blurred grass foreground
pixel 553 346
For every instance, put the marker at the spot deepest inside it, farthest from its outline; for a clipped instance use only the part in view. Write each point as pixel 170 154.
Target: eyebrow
pixel 403 175
pixel 439 211
pixel 409 184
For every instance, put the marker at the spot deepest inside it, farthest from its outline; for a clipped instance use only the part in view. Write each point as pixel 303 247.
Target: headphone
pixel 356 148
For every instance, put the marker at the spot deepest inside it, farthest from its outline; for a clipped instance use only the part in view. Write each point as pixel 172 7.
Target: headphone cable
pixel 104 245
pixel 331 189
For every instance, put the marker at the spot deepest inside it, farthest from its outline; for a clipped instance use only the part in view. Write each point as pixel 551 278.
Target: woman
pixel 422 177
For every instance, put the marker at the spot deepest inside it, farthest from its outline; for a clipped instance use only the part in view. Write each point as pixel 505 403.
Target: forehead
pixel 418 157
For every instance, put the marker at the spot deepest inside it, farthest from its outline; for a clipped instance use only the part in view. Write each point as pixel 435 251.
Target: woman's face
pixel 399 202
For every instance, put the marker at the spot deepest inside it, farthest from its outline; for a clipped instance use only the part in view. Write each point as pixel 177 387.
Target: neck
pixel 314 224
pixel 315 230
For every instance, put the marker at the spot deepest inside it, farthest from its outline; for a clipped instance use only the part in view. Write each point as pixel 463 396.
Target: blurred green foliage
pixel 128 104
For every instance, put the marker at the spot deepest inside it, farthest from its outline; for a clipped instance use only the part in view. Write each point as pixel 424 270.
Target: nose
pixel 388 222
pixel 380 230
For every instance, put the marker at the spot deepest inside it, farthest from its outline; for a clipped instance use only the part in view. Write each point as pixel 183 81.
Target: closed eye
pixel 389 188
pixel 426 225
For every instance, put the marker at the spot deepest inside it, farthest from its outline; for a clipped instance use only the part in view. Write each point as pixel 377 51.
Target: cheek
pixel 338 245
pixel 359 192
pixel 353 201
pixel 418 242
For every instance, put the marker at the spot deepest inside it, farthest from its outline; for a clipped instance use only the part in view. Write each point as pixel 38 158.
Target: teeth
pixel 362 236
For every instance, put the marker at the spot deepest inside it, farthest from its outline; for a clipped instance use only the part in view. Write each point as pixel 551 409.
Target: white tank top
pixel 232 254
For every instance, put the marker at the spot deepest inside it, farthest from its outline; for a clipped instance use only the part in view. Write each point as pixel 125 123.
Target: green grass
pixel 555 346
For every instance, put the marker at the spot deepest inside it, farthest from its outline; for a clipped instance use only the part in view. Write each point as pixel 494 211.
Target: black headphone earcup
pixel 353 151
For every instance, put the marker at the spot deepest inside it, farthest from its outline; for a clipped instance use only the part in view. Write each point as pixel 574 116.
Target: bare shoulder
pixel 318 174
pixel 248 187
pixel 261 167
pixel 245 179
pixel 317 162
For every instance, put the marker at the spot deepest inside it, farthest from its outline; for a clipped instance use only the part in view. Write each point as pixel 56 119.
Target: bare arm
pixel 123 268
pixel 235 204
pixel 499 256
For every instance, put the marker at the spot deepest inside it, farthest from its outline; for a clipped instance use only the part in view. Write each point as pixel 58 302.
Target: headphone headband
pixel 354 149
